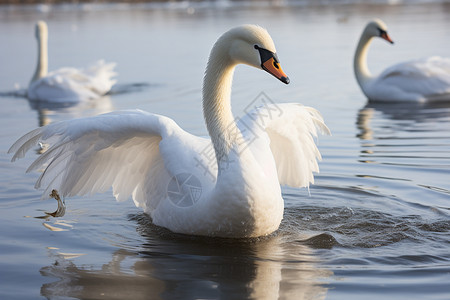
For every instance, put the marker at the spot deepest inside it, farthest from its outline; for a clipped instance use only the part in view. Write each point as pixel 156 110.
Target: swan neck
pixel 216 102
pixel 361 69
pixel 42 59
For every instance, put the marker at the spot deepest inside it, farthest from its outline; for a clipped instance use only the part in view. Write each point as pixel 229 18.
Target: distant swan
pixel 419 81
pixel 67 84
pixel 227 186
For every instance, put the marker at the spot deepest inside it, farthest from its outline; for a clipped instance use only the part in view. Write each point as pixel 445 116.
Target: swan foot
pixel 61 210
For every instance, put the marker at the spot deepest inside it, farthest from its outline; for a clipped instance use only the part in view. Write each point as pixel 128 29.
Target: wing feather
pixel 138 153
pixel 90 155
pixel 291 134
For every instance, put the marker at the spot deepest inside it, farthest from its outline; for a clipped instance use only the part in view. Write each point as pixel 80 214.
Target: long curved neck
pixel 216 102
pixel 360 67
pixel 42 63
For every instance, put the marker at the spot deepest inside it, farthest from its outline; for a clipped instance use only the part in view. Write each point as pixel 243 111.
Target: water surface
pixel 375 223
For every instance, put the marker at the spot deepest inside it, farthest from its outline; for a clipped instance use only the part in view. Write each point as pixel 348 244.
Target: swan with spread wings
pixel 148 156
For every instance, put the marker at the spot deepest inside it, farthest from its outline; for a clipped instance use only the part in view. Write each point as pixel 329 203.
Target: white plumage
pixel 235 177
pixel 67 84
pixel 420 80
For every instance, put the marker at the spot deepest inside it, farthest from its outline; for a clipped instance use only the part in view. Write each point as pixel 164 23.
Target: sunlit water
pixel 375 225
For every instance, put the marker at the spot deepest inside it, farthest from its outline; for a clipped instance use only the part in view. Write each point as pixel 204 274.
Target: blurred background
pixel 374 225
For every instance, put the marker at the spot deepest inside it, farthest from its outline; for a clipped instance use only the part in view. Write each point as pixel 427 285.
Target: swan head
pixel 41 30
pixel 253 46
pixel 377 28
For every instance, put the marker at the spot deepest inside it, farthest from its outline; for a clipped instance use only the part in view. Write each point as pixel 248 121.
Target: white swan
pixel 67 84
pixel 419 81
pixel 228 186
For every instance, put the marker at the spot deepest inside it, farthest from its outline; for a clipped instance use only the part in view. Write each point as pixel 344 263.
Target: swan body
pixel 67 84
pixel 421 80
pixel 227 186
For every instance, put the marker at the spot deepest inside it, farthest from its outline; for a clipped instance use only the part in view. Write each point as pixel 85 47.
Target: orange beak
pixel 273 67
pixel 386 37
pixel 269 63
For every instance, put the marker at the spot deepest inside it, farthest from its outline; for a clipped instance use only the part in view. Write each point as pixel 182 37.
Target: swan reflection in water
pixel 380 120
pixel 49 112
pixel 402 141
pixel 173 266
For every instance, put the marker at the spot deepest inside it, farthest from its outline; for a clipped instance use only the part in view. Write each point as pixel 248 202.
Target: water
pixel 376 223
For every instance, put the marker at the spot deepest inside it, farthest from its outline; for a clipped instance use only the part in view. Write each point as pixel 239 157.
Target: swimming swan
pixel 418 81
pixel 227 186
pixel 67 84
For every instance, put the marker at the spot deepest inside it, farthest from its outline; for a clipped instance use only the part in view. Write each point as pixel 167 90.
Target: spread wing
pixel 290 129
pixel 121 149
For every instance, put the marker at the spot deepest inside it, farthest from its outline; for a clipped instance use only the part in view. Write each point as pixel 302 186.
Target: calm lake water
pixel 376 225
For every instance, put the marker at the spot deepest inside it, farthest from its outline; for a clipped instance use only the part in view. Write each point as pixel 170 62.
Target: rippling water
pixel 376 223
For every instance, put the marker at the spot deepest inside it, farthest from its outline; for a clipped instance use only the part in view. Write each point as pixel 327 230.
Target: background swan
pixel 420 80
pixel 67 84
pixel 170 173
